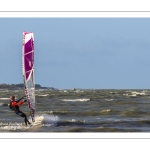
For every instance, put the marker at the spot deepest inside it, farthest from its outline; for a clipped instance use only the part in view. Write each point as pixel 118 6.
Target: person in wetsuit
pixel 14 105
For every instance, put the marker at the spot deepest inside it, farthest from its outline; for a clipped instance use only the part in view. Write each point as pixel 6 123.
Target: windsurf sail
pixel 28 71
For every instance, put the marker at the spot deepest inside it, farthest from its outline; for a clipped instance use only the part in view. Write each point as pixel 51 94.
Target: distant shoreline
pixel 20 86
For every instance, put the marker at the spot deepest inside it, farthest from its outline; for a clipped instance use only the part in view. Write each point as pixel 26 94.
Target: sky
pixel 97 53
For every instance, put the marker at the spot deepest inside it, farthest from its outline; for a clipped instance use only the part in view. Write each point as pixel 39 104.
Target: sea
pixel 81 110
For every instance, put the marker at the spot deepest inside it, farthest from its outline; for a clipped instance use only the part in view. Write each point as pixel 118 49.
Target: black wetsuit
pixel 18 112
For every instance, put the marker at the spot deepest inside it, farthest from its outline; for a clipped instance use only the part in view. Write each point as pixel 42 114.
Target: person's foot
pixel 26 124
pixel 29 124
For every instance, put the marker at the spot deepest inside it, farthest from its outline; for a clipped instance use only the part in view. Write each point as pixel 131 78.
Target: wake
pixel 45 119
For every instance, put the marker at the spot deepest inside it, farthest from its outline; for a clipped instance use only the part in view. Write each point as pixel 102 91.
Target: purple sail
pixel 28 70
pixel 28 55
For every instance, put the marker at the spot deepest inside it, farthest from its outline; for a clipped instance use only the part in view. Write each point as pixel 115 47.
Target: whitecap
pixel 4 98
pixel 45 119
pixel 77 100
pixel 13 126
pixel 106 110
pixel 109 99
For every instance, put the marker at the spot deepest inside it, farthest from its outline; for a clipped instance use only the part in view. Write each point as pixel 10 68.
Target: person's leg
pixel 20 113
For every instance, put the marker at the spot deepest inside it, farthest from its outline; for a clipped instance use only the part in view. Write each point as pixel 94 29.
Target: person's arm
pixel 17 103
pixel 20 99
pixel 20 103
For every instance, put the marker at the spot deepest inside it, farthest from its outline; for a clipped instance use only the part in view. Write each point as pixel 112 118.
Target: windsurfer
pixel 14 105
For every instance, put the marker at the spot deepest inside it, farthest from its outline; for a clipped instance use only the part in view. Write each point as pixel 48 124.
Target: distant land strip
pixel 21 86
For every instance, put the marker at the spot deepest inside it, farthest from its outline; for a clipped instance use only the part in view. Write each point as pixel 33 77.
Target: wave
pixel 3 104
pixel 122 120
pixel 77 100
pixel 134 113
pixel 40 120
pixel 102 121
pixel 79 113
pixel 44 95
pixel 139 93
pixel 52 112
pixel 106 110
pixel 49 119
pixel 5 98
pixel 105 125
pixel 134 94
pixel 71 122
pixel 45 119
pixel 109 99
pixel 12 126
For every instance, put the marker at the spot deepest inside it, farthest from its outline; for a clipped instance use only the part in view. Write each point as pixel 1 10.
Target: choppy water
pixel 82 111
